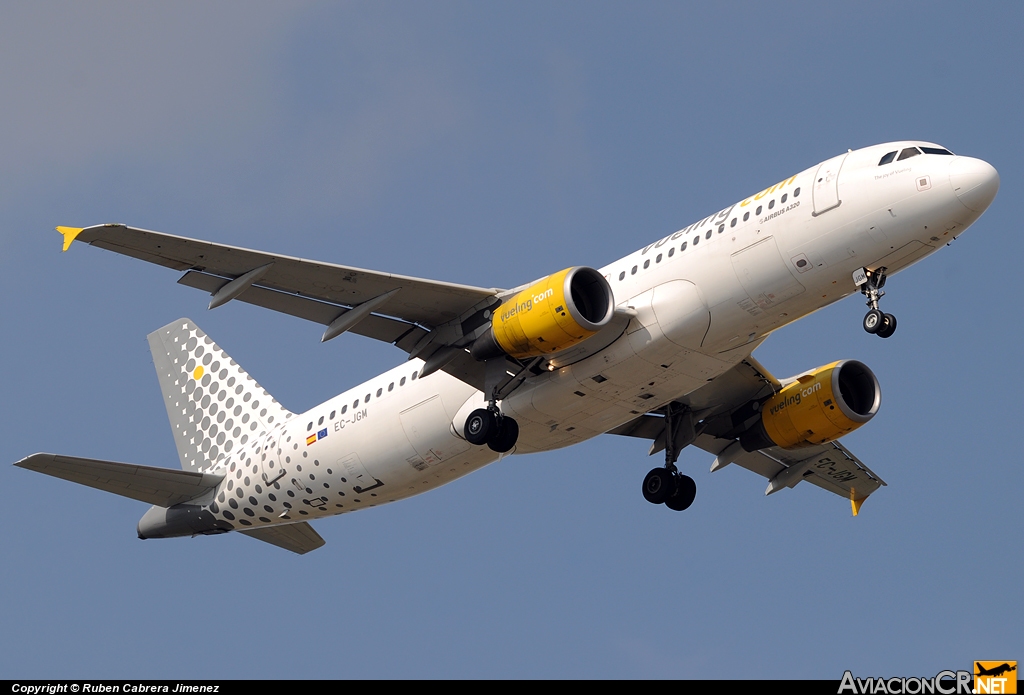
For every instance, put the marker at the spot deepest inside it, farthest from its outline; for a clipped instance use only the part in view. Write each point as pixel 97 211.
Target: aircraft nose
pixel 974 181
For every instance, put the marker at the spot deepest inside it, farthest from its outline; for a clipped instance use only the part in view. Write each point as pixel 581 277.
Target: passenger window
pixel 658 259
pixel 733 223
pixel 672 252
pixel 320 421
pixel 721 227
pixel 391 386
pixel 633 272
pixel 771 204
pixel 683 247
pixel 379 391
pixel 887 158
pixel 333 414
pixel 344 409
pixel 796 193
pixel 758 211
pixel 696 239
pixel 647 264
pixel 784 196
pixel 908 153
pixel 746 216
pixel 367 398
pixel 708 235
pixel 622 275
pixel 402 382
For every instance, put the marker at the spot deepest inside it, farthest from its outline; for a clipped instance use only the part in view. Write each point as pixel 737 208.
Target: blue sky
pixel 490 144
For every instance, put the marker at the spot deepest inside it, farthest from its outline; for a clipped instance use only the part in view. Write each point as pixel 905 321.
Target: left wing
pixel 426 318
pixel 717 408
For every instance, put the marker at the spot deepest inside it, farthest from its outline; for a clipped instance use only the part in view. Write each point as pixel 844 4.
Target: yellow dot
pixel 198 373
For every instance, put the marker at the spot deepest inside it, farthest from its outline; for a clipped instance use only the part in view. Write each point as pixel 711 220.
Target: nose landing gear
pixel 871 283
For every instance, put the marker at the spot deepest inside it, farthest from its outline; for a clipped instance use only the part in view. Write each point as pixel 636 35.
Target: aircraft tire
pixel 505 436
pixel 658 486
pixel 686 491
pixel 873 321
pixel 481 426
pixel 888 326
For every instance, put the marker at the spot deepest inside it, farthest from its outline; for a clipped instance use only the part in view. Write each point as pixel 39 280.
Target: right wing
pixel 419 316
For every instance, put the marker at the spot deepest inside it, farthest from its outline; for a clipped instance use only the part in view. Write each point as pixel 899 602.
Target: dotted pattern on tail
pixel 214 406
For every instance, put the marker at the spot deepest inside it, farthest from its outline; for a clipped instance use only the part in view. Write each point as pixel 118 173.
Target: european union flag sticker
pixel 322 433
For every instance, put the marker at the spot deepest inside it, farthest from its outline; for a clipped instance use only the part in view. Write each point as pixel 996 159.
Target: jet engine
pixel 552 314
pixel 819 406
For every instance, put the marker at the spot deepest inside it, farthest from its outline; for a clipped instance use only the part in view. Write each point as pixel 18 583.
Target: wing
pixel 420 316
pixel 298 537
pixel 164 487
pixel 830 466
pixel 718 409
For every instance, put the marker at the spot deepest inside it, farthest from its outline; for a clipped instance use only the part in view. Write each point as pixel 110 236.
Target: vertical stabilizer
pixel 213 405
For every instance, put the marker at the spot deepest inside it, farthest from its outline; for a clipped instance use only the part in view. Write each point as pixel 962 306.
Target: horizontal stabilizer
pixel 299 537
pixel 164 487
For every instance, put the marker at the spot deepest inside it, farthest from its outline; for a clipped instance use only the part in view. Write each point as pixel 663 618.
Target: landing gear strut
pixel 871 283
pixel 667 485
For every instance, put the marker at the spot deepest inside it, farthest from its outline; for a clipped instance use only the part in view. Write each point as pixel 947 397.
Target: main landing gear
pixel 489 426
pixel 667 485
pixel 871 283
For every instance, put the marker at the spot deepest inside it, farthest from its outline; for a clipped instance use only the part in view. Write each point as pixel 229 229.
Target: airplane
pixel 656 345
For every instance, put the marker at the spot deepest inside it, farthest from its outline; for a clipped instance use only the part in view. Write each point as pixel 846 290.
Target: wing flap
pixel 164 487
pixel 298 537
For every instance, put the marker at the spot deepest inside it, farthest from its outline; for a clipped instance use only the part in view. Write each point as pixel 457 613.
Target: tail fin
pixel 213 405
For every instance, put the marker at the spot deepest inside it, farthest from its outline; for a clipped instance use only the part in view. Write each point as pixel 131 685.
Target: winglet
pixel 855 503
pixel 70 233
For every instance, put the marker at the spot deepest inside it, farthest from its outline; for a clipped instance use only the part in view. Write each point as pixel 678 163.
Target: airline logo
pixel 995 677
pixel 313 438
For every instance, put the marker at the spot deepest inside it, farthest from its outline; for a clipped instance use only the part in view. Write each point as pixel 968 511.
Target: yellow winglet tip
pixel 70 234
pixel 855 503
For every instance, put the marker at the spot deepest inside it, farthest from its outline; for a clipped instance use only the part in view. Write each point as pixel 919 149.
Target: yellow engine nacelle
pixel 820 406
pixel 550 315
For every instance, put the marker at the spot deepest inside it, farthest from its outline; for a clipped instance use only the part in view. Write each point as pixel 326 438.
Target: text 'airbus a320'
pixel 656 345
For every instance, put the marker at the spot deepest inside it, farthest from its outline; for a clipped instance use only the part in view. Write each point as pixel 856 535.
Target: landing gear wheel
pixel 873 321
pixel 686 491
pixel 658 485
pixel 481 426
pixel 505 436
pixel 888 326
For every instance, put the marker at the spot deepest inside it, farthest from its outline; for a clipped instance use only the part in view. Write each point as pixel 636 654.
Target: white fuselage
pixel 704 298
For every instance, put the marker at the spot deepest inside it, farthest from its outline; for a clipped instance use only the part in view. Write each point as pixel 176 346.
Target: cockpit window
pixel 887 158
pixel 908 153
pixel 935 150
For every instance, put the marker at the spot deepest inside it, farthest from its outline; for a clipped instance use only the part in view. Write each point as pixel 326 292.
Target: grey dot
pixel 264 519
pixel 233 503
pixel 215 366
pixel 199 351
pixel 245 522
pixel 207 358
pixel 228 515
pixel 214 451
